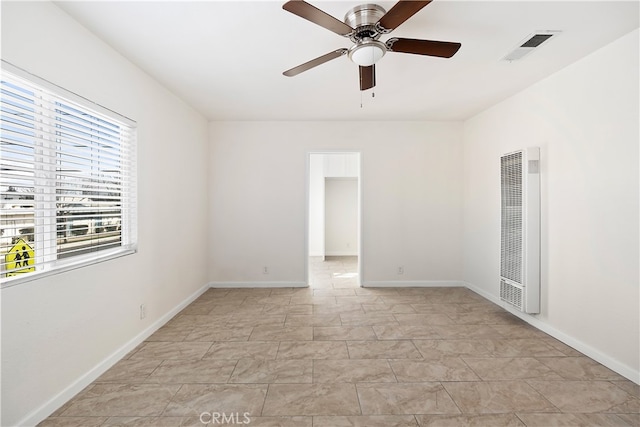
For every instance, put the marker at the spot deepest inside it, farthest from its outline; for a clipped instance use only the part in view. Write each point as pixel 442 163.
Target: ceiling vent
pixel 527 46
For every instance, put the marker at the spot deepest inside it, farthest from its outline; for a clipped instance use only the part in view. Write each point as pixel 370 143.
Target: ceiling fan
pixel 364 25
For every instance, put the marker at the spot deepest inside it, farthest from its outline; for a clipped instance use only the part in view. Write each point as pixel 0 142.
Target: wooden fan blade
pixel 315 15
pixel 400 12
pixel 315 62
pixel 367 77
pixel 423 47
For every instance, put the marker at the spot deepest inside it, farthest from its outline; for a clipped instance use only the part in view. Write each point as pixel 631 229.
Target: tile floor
pixel 338 355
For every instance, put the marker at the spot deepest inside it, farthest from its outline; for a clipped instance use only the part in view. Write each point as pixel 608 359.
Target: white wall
pixel 585 119
pixel 411 201
pixel 58 329
pixel 341 165
pixel 316 204
pixel 341 213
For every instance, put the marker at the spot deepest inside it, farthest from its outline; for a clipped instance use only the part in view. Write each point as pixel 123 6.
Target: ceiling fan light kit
pixel 367 52
pixel 363 25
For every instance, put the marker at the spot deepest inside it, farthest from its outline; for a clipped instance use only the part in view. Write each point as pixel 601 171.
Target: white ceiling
pixel 226 58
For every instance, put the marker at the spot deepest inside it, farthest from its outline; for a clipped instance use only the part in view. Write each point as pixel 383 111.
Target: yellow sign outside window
pixel 20 259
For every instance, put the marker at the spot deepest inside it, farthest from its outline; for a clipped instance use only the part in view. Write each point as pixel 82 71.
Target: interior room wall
pixel 59 332
pixel 585 121
pixel 411 201
pixel 316 205
pixel 341 207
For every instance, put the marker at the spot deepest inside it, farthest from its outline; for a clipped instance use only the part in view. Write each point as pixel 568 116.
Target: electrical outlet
pixel 143 311
pixel 265 270
pixel 400 270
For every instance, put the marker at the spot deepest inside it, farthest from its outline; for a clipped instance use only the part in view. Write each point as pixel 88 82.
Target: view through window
pixel 67 179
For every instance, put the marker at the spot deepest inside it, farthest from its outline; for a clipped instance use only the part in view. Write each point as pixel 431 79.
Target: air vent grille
pixel 512 294
pixel 536 40
pixel 520 229
pixel 527 46
pixel 511 217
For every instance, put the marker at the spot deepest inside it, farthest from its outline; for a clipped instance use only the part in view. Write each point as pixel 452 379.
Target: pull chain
pixel 373 95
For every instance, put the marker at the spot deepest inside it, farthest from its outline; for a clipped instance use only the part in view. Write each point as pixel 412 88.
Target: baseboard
pixel 341 253
pixel 243 285
pixel 598 356
pixel 77 386
pixel 413 284
pixel 494 299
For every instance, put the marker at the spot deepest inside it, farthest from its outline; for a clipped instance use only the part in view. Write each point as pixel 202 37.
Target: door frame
pixel 308 212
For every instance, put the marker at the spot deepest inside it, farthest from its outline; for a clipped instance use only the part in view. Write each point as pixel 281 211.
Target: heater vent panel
pixel 520 229
pixel 512 294
pixel 511 217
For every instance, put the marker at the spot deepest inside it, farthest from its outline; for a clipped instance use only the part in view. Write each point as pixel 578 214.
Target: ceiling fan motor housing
pixel 363 19
pixel 367 49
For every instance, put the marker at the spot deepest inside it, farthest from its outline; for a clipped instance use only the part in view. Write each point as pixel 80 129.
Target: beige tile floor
pixel 338 355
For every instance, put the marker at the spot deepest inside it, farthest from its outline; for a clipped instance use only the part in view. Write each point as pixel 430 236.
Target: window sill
pixel 63 266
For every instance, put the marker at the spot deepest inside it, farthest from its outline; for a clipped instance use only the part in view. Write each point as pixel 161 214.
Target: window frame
pixel 49 258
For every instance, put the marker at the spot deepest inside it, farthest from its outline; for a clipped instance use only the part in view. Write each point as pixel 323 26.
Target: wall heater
pixel 520 229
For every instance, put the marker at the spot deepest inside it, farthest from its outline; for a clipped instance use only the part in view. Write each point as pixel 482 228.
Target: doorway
pixel 334 220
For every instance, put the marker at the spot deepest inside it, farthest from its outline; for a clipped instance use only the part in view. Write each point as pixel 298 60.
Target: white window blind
pixel 67 179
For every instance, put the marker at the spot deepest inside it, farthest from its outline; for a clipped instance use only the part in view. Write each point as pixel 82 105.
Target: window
pixel 67 179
